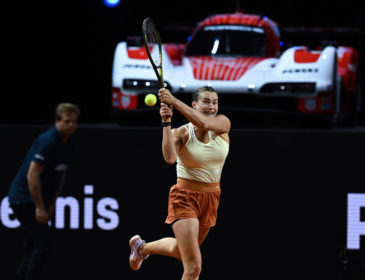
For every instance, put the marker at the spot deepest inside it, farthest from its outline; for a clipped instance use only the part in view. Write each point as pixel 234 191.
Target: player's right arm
pixel 34 172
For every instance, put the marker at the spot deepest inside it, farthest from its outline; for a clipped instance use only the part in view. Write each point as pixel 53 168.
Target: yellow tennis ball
pixel 150 99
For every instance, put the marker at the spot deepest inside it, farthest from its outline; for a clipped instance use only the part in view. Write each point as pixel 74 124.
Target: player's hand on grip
pixel 166 112
pixel 165 96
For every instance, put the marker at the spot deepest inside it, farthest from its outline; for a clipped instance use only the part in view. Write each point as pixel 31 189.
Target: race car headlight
pixel 289 88
pixel 142 85
pixel 133 84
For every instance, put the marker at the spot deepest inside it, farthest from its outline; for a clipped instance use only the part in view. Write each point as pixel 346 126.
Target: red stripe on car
pixel 221 69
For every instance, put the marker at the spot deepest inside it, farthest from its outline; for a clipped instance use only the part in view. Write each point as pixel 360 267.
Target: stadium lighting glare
pixel 111 3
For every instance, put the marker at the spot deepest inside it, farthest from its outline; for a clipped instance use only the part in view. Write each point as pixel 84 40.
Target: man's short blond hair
pixel 66 108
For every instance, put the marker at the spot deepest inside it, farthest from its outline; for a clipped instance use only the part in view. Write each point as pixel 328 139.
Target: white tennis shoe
pixel 135 258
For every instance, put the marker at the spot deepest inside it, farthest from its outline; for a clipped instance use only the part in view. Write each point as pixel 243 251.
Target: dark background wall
pixel 282 212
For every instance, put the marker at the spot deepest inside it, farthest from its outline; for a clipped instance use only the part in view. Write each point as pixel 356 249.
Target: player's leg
pixel 165 246
pixel 140 250
pixel 28 248
pixel 38 241
pixel 42 237
pixel 168 246
pixel 24 215
pixel 187 236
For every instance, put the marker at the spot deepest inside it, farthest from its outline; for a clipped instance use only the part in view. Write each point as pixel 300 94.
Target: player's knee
pixel 193 269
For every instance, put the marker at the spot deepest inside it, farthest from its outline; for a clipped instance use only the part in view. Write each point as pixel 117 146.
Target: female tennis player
pixel 200 148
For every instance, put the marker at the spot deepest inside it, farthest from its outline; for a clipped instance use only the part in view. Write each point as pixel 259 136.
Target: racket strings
pixel 149 26
pixel 153 47
pixel 152 39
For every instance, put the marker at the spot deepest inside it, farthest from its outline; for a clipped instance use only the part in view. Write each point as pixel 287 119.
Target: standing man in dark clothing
pixel 37 184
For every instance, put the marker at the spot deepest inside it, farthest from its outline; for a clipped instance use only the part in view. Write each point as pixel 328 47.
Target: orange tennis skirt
pixel 192 199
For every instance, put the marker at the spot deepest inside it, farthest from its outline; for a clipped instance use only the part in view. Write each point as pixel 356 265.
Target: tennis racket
pixel 152 42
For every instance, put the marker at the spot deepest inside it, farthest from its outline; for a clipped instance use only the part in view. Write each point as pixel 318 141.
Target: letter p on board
pixel 355 227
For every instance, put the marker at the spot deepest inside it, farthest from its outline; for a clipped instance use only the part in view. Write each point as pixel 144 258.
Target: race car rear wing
pixel 319 37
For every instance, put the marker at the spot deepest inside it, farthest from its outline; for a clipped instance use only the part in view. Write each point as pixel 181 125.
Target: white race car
pixel 239 55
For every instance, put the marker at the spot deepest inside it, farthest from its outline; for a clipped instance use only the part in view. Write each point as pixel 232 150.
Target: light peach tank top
pixel 202 162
